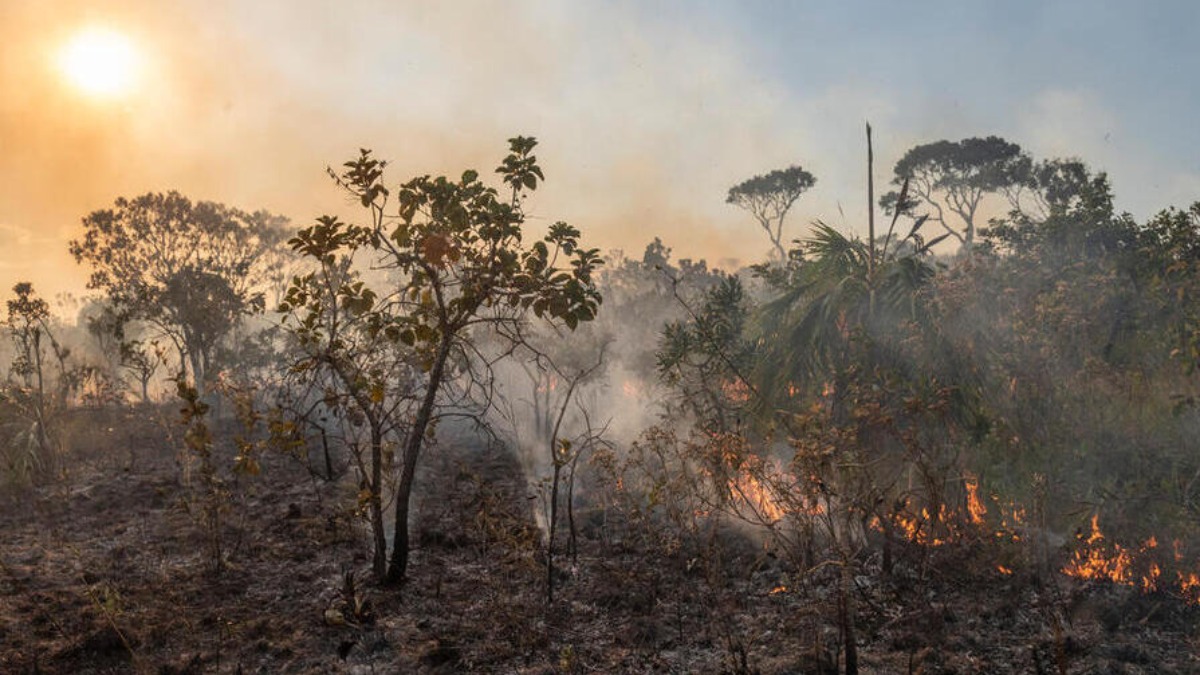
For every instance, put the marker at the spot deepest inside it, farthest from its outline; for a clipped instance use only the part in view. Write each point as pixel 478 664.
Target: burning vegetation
pixel 483 448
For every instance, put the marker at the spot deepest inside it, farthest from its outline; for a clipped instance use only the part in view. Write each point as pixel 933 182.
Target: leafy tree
pixel 704 358
pixel 1061 209
pixel 953 178
pixel 39 394
pixel 190 270
pixel 350 364
pixel 28 317
pixel 769 198
pixel 454 250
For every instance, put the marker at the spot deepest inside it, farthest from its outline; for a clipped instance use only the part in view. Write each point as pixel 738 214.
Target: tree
pixel 348 365
pixel 39 395
pixel 454 250
pixel 955 177
pixel 1061 209
pixel 28 315
pixel 769 198
pixel 190 270
pixel 704 358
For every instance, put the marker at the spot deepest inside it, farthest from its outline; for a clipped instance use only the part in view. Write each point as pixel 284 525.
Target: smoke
pixel 645 120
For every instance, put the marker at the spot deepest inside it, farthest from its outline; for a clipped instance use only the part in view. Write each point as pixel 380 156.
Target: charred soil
pixel 105 571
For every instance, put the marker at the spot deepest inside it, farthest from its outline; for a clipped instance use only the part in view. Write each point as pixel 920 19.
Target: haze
pixel 646 112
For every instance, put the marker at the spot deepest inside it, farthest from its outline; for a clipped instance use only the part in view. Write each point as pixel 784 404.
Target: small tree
pixel 454 250
pixel 348 365
pixel 769 198
pixel 39 393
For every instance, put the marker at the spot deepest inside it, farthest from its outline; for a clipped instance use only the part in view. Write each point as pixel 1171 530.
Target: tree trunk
pixel 43 437
pixel 551 528
pixel 846 605
pixel 379 562
pixel 412 448
pixel 329 477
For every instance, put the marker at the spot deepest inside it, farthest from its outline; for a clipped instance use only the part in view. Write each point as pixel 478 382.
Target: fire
pixel 1150 579
pixel 1006 571
pixel 1098 559
pixel 975 508
pixel 750 491
pixel 1099 562
pixel 1189 586
pixel 778 589
pixel 956 524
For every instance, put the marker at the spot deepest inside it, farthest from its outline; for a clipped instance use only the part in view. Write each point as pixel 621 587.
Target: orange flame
pixel 750 491
pixel 1100 560
pixel 1189 586
pixel 975 508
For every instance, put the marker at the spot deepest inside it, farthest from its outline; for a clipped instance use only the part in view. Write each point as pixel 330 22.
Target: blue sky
pixel 647 111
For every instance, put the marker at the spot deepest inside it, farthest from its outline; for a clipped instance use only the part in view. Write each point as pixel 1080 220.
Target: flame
pixel 1100 560
pixel 956 524
pixel 1097 561
pixel 778 589
pixel 1150 579
pixel 1189 586
pixel 750 491
pixel 919 529
pixel 1146 567
pixel 975 508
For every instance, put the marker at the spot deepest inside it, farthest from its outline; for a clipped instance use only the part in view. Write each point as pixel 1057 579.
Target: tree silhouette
pixel 769 198
pixel 954 177
pixel 190 270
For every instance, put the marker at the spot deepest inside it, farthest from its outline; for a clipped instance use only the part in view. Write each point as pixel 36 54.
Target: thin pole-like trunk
pixel 40 405
pixel 871 225
pixel 870 205
pixel 846 605
pixel 552 528
pixel 412 448
pixel 379 560
pixel 572 543
pixel 329 475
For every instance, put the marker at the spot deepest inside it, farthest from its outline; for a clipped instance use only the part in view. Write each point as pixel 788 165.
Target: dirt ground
pixel 107 571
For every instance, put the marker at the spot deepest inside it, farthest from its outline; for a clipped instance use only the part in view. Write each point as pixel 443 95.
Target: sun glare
pixel 99 62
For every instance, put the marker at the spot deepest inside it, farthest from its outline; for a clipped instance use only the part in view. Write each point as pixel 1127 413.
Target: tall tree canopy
pixel 952 178
pixel 190 269
pixel 769 198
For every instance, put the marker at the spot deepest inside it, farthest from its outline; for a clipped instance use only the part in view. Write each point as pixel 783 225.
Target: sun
pixel 99 62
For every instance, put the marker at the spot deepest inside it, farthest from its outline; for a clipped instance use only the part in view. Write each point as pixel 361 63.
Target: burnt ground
pixel 107 571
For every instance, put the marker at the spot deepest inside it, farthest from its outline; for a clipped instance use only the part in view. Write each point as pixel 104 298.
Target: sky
pixel 646 112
